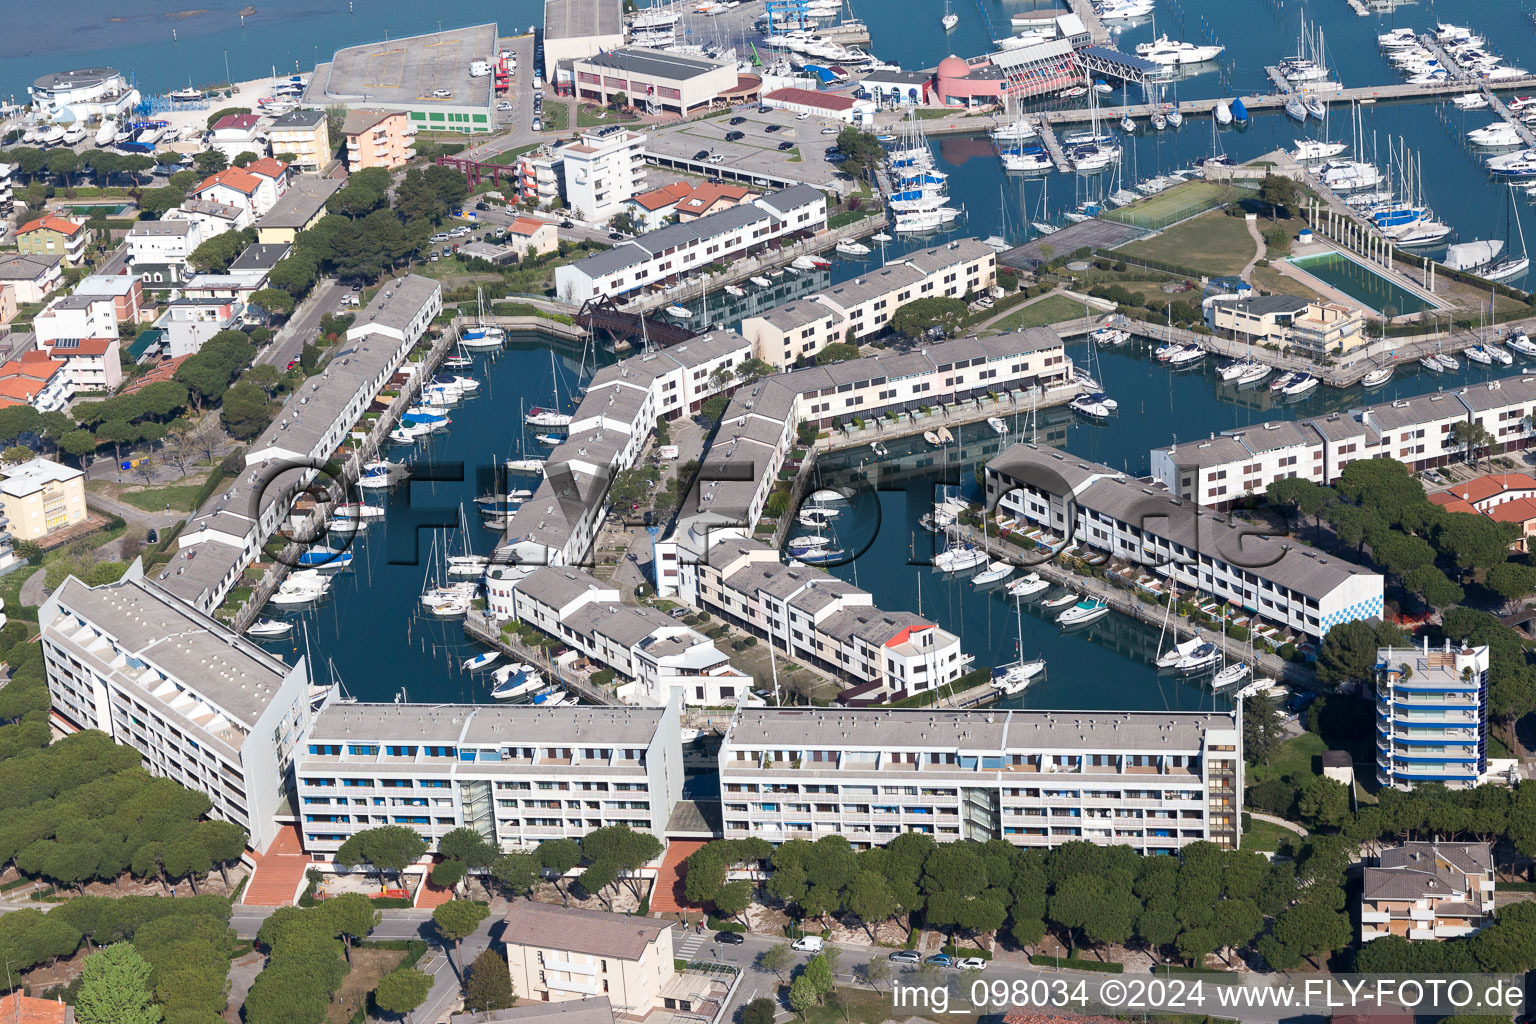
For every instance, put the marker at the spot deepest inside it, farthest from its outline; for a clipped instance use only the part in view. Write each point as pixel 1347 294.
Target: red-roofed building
pixel 836 106
pixel 165 369
pixel 36 379
pixel 256 190
pixel 1503 497
pixel 531 236
pixel 90 364
pixel 234 134
pixel 709 198
pixel 53 236
pixel 16 1008
pixel 650 210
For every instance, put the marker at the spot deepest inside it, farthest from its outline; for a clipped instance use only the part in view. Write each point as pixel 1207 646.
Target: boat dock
pixel 1359 8
pixel 1509 117
pixel 1084 10
pixel 1053 147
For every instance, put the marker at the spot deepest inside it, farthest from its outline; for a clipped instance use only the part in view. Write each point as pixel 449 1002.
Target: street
pixel 304 324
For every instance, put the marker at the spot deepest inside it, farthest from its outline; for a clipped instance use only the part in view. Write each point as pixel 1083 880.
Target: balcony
pixel 563 963
pixel 590 987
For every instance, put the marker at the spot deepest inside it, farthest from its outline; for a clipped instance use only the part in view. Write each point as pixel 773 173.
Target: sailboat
pixel 1041 224
pixel 551 417
pixel 1230 675
pixel 1511 265
pixel 481 335
pixel 950 19
pixel 1016 675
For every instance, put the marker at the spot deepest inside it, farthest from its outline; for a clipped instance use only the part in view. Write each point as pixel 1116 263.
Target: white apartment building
pixel 1222 469
pixel 517 774
pixel 7 194
pixel 863 307
pixel 162 241
pixel 655 654
pixel 664 256
pixel 76 316
pixel 603 171
pixel 234 134
pixel 1298 589
pixel 231 527
pixel 1431 715
pixel 817 618
pixel 1154 781
pixel 607 433
pixel 565 954
pixel 742 465
pixel 199 702
pixel 90 364
pixel 213 218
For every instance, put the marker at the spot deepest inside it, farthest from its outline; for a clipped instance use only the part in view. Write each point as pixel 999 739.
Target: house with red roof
pixel 830 105
pixel 256 187
pixel 36 379
pixel 18 1008
pixel 683 202
pixel 90 364
pixel 530 236
pixel 1502 497
pixel 53 236
pixel 234 134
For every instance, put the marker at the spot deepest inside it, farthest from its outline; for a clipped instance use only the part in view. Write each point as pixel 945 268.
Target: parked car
pixel 441 236
pixel 786 146
pixel 906 956
pixel 482 205
pixel 738 120
pixel 729 938
pixel 716 158
pixel 442 94
pixel 761 109
pixel 504 106
pixel 567 224
pixel 734 136
pixel 616 236
pixel 970 963
pixel 808 944
pixel 803 115
pixel 702 154
pixel 942 959
pixel 291 364
pixel 829 130
pixel 774 128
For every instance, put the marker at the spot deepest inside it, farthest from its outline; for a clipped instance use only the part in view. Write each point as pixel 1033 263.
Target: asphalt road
pixel 304 325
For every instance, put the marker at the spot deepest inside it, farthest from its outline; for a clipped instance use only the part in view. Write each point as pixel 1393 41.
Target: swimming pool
pixel 1361 283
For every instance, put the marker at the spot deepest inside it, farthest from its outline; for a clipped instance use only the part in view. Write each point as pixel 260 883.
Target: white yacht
pixel 515 680
pixel 269 629
pixel 1168 52
pixel 994 573
pixel 1083 612
pixel 1171 657
pixel 1201 657
pixel 959 558
pixel 1015 676
pixel 1311 150
pixel 479 661
pixel 1376 378
pixel 1028 585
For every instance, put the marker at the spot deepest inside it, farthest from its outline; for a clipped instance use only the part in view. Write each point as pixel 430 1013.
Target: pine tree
pixel 490 984
pixel 114 988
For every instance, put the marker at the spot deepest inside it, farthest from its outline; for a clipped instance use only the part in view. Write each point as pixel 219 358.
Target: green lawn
pixel 510 156
pixel 1212 243
pixel 588 116
pixel 1297 758
pixel 556 118
pixel 10 592
pixel 1178 202
pixel 1050 310
pixel 154 499
pixel 1266 837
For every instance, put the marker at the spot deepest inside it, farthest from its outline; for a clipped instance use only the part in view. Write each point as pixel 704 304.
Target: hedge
pixel 725 926
pixel 969 681
pixel 1077 965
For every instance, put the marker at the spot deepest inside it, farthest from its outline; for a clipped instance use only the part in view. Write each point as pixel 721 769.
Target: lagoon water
pixel 370 626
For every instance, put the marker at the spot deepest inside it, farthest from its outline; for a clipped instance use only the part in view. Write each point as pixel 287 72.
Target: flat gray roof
pixel 196 650
pixel 652 63
pixel 557 586
pixel 299 119
pixel 404 73
pixel 485 724
pixel 575 19
pixel 306 196
pixel 396 304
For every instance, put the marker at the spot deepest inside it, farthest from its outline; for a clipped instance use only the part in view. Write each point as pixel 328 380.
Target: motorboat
pixel 482 338
pixel 997 424
pixel 553 697
pixel 1311 150
pixel 1026 159
pixel 269 629
pixel 1187 355
pixel 550 440
pixel 1376 378
pixel 1201 657
pixel 1303 383
pixel 1028 585
pixel 761 282
pixel 809 544
pixel 1519 164
pixel 1398 39
pixel 679 312
pixel 943 515
pixel 479 661
pixel 515 680
pixel 1180 650
pixel 848 247
pixel 1256 372
pixel 1282 382
pixel 932 438
pixel 449 601
pixel 1498 135
pixel 357 510
pixel 994 573
pixel 1082 613
pixel 379 474
pixel 879 449
pixel 1086 405
pixel 1350 175
pixel 959 558
pixel 1420 235
pixel 1230 676
pixel 1059 602
pixel 1015 676
pixel 1522 343
pixel 301 587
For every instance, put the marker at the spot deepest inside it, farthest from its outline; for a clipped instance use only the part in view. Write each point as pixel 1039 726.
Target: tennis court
pixel 1174 205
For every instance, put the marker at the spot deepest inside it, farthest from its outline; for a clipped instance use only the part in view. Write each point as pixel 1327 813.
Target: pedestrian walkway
pixel 667 894
pixel 687 948
pixel 279 875
pixel 430 897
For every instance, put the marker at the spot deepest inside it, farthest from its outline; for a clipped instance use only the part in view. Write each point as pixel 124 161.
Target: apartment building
pixel 561 954
pixel 189 321
pixel 36 379
pixel 863 307
pixel 200 703
pixel 303 138
pixel 1418 432
pixel 539 175
pixel 7 193
pixel 76 316
pixel 161 241
pixel 125 291
pixel 603 171
pixel 822 620
pixel 54 236
pixel 214 218
pixel 90 364
pixel 652 653
pixel 1431 715
pixel 664 256
pixel 32 278
pixel 1077 501
pixel 529 236
pixel 654 80
pixel 1318 328
pixel 41 496
pixel 1154 781
pixel 377 138
pixel 300 209
pixel 516 773
pixel 607 433
pixel 1432 890
pixel 741 466
pixel 231 526
pixel 234 134
pixel 257 187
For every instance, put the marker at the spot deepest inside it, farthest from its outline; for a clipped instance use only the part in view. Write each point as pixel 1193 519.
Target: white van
pixel 670 452
pixel 808 944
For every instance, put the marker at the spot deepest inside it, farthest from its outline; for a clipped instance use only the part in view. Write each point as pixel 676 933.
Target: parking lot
pixel 755 157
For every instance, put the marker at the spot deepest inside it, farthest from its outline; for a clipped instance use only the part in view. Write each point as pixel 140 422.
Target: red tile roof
pixel 241 121
pixel 811 98
pixel 526 226
pixel 162 370
pixel 1521 510
pixel 81 347
pixel 48 222
pixel 16 1008
pixel 666 195
pixel 267 168
pixel 1484 487
pixel 234 178
pixel 706 196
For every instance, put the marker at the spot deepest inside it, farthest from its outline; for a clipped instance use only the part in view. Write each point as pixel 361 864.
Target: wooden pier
pixel 1053 147
pixel 1509 116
